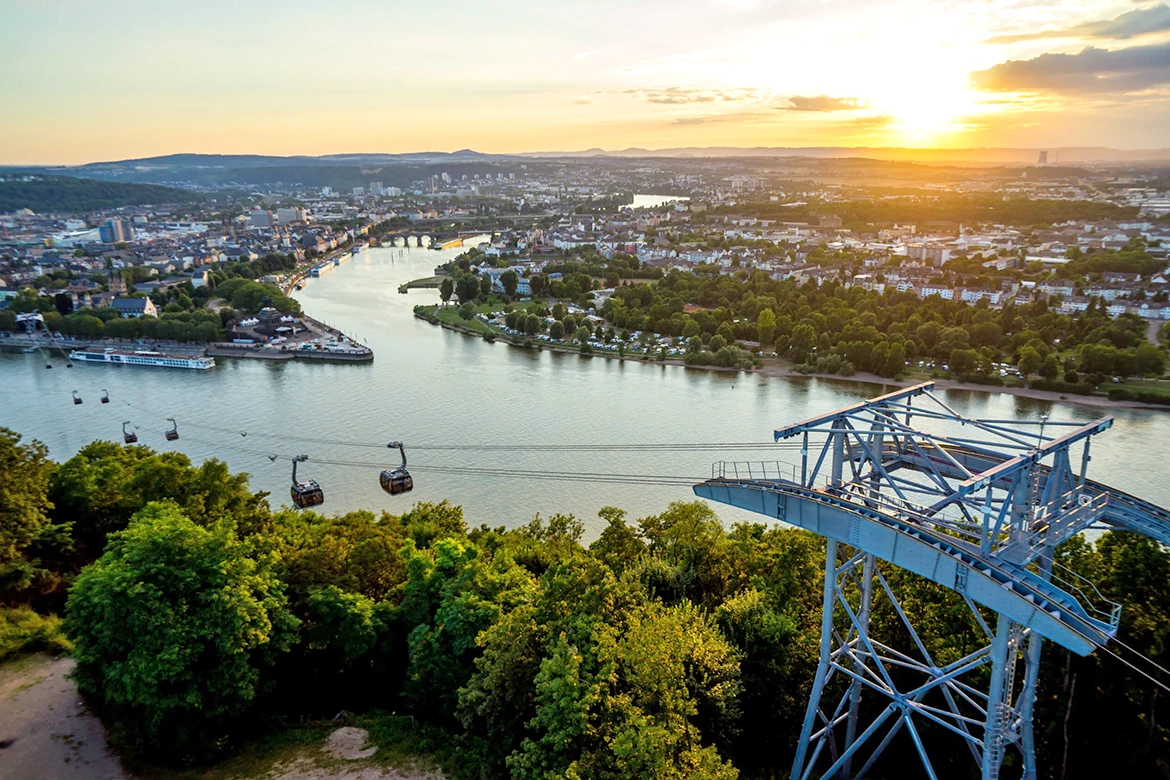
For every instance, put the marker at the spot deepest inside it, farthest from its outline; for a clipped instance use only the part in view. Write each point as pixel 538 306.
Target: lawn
pixel 450 315
pixel 1156 386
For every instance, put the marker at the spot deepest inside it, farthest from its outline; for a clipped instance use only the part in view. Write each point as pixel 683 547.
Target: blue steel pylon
pixel 976 505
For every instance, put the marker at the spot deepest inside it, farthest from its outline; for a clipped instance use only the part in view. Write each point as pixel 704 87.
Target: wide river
pixel 435 388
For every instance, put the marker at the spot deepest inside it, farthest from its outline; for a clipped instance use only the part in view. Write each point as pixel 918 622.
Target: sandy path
pixel 53 736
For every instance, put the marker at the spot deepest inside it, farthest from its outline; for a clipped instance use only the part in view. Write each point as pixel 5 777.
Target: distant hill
pixel 348 170
pixel 989 155
pixel 46 193
pixel 977 155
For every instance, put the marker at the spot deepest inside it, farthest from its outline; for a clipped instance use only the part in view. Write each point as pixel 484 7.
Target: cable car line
pixel 396 480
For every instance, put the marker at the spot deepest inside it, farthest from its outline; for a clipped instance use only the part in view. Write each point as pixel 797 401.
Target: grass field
pixel 450 315
pixel 1156 386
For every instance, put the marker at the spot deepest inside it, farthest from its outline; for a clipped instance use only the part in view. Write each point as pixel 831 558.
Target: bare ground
pixel 46 733
pixel 53 736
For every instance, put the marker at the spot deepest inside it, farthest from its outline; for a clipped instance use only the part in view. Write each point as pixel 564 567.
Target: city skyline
pixel 128 80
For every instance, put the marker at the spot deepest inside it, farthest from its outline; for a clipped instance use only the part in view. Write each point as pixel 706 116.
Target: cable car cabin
pixel 397 480
pixel 130 437
pixel 105 396
pixel 173 433
pixel 76 398
pixel 307 494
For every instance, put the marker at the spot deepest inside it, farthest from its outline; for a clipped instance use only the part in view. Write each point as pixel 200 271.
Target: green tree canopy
pixel 173 627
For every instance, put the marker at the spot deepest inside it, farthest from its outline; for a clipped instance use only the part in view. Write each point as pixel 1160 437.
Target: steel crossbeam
pixel 976 505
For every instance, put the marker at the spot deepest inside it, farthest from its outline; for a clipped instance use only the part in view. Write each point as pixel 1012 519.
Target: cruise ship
pixel 143 358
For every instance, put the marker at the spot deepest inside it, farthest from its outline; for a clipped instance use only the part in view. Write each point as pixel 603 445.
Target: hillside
pixel 43 193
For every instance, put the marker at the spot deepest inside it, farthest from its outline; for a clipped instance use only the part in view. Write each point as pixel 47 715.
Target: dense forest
pixel 947 208
pixel 667 647
pixel 43 193
pixel 838 329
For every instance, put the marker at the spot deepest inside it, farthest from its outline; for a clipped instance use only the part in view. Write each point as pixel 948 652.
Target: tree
pixel 63 302
pixel 532 325
pixel 446 289
pixel 1050 368
pixel 102 486
pixel 801 344
pixel 582 335
pixel 556 330
pixel 173 628
pixel 1030 361
pixel 510 279
pixel 964 362
pixel 766 326
pixel 467 287
pixel 1149 360
pixel 691 329
pixel 485 285
pixel 466 311
pixel 896 362
pixel 24 513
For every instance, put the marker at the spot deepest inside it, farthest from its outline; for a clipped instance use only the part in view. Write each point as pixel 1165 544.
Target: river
pixel 430 386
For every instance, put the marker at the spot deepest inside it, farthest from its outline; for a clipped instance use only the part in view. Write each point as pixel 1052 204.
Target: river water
pixel 431 386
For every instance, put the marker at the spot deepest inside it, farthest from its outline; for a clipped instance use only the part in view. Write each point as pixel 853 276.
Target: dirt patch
pixel 349 743
pixel 49 732
pixel 307 769
pixel 46 733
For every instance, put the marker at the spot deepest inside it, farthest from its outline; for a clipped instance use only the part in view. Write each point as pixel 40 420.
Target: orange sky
pixel 85 82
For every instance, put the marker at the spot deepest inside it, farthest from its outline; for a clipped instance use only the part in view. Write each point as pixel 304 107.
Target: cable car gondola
pixel 397 480
pixel 308 493
pixel 76 398
pixel 105 396
pixel 130 437
pixel 173 433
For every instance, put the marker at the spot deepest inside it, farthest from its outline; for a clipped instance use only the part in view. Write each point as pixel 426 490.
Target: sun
pixel 930 115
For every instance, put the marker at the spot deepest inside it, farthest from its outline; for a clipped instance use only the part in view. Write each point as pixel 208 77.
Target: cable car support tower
pixel 975 505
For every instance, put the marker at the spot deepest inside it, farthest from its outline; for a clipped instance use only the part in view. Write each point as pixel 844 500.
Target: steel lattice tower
pixel 975 505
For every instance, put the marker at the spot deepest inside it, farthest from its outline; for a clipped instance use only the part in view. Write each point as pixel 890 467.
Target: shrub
pixel 24 631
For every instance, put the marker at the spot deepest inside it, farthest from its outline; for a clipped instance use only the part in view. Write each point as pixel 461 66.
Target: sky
pixel 86 81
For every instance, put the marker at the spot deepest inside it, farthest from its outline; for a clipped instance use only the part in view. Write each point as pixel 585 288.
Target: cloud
pixel 581 102
pixel 1142 21
pixel 821 103
pixel 677 96
pixel 1089 70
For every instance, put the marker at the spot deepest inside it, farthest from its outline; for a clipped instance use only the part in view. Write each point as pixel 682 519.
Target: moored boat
pixel 142 358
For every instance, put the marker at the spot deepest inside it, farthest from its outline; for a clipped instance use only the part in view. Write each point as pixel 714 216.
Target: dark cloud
pixel 1089 70
pixel 821 103
pixel 690 120
pixel 1131 24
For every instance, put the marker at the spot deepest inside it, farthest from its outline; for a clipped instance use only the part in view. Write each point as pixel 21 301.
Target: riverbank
pixel 774 368
pixel 19 343
pixel 426 283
